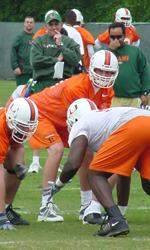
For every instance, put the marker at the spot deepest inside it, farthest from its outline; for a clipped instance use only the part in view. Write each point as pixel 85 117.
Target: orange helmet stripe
pixel 127 12
pixel 107 57
pixel 32 109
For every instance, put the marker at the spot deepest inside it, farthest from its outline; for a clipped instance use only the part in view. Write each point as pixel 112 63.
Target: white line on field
pixel 59 241
pixel 75 211
pixel 140 238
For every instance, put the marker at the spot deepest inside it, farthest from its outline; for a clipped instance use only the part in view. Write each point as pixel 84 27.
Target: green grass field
pixel 70 234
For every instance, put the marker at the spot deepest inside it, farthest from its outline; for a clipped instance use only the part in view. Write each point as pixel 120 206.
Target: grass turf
pixel 70 234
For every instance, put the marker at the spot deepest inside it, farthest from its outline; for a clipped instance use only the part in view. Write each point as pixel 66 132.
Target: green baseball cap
pixel 52 15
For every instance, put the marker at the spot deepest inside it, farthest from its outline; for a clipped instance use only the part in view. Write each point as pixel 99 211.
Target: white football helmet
pixel 106 61
pixel 22 119
pixel 79 17
pixel 123 15
pixel 77 109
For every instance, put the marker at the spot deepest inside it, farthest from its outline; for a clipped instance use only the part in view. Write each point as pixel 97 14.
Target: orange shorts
pixel 125 148
pixel 48 134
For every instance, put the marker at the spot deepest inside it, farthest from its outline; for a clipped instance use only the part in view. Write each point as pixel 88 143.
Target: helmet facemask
pixel 22 132
pixel 102 81
pixel 103 69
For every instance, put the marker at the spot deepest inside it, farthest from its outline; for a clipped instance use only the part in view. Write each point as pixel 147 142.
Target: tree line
pixel 92 10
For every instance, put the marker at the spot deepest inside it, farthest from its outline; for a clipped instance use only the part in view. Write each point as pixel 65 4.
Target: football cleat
pixel 14 217
pixel 34 168
pixel 5 223
pixel 49 213
pixel 92 214
pixel 81 212
pixel 113 227
pixel 93 218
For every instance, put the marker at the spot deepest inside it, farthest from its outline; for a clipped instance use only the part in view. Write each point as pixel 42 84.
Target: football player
pixel 121 139
pixel 18 122
pixel 53 103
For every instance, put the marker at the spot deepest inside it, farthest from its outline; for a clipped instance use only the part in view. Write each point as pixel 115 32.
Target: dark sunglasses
pixel 116 37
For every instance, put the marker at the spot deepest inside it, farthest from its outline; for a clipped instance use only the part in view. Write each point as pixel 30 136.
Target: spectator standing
pixel 122 15
pixel 132 86
pixel 87 38
pixel 53 55
pixel 20 52
pixel 70 19
pixel 43 30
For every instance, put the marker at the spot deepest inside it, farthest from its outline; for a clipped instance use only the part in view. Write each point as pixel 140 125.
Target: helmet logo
pixel 74 108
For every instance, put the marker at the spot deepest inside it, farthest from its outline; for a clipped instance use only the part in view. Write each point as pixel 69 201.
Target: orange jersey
pixel 130 33
pixel 87 38
pixel 54 101
pixel 4 136
pixel 41 32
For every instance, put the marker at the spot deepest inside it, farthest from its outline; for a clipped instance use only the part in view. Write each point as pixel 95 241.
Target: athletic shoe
pixel 113 227
pixel 92 214
pixel 14 217
pixel 93 218
pixel 5 223
pixel 49 213
pixel 34 168
pixel 81 212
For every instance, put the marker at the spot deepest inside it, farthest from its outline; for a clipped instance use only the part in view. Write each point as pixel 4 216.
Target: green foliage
pixel 93 10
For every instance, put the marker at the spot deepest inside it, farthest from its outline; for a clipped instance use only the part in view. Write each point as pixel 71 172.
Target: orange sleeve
pixel 4 141
pixel 86 35
pixel 132 34
pixel 104 37
pixel 41 32
pixel 87 39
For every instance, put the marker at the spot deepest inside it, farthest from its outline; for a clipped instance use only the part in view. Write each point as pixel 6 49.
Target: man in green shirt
pixel 53 55
pixel 20 53
pixel 132 86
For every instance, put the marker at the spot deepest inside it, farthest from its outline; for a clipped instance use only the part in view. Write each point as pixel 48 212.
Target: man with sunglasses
pixel 132 86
